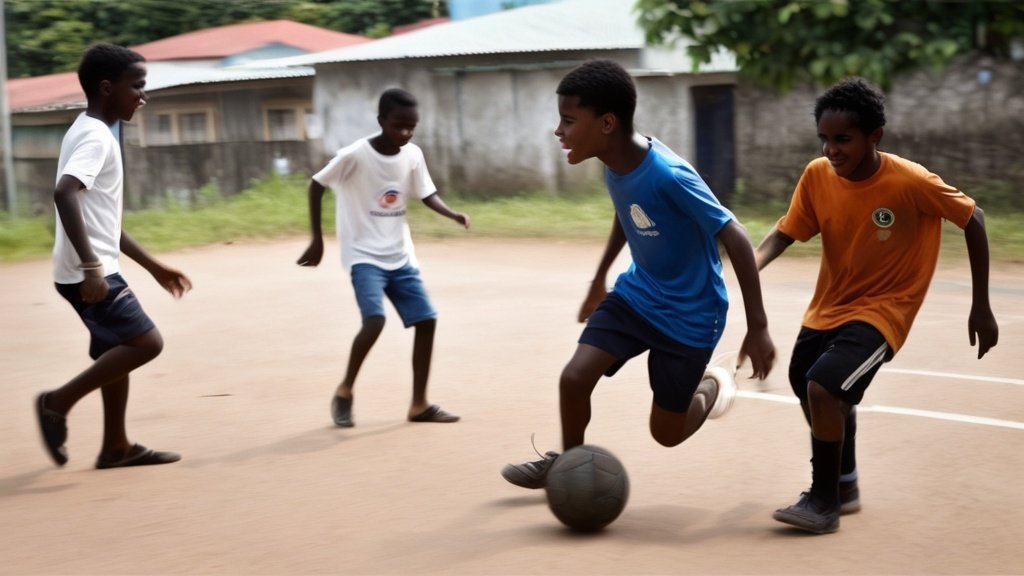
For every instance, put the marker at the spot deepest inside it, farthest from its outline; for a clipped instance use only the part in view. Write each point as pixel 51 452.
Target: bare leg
pixel 579 377
pixel 828 413
pixel 361 346
pixel 422 352
pixel 111 367
pixel 115 405
pixel 672 428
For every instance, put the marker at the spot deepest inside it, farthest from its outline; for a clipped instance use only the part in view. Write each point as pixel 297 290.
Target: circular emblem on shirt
pixel 883 217
pixel 390 198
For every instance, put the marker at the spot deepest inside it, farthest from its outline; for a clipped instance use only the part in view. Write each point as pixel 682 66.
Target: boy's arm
pixel 981 324
pixel 436 204
pixel 315 251
pixel 757 344
pixel 599 285
pixel 67 197
pixel 773 245
pixel 172 280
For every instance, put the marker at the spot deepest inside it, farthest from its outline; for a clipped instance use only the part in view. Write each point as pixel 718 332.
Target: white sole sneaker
pixel 726 390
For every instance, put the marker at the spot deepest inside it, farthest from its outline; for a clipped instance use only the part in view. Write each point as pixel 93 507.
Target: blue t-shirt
pixel 671 220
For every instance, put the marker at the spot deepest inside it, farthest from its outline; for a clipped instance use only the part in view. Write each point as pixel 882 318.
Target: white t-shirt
pixel 90 153
pixel 372 191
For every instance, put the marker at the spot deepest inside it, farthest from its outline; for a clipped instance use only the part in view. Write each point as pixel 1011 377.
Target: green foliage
pixel 782 43
pixel 49 36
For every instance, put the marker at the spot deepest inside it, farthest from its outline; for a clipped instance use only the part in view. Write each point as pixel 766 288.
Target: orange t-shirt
pixel 880 241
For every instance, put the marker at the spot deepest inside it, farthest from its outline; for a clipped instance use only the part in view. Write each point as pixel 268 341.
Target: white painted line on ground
pixel 996 379
pixel 948 416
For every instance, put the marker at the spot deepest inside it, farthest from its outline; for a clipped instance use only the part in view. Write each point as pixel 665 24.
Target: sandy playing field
pixel 269 486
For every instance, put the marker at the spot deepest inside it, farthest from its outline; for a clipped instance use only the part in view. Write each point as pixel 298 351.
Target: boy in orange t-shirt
pixel 880 219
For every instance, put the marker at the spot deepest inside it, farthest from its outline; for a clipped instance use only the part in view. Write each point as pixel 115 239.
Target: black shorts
pixel 674 369
pixel 113 321
pixel 843 360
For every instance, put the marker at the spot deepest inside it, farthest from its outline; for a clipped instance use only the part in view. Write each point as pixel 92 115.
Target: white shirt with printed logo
pixel 372 191
pixel 91 154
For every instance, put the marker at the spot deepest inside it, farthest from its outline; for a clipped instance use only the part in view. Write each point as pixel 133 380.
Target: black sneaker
pixel 54 428
pixel 341 412
pixel 849 497
pixel 810 515
pixel 531 475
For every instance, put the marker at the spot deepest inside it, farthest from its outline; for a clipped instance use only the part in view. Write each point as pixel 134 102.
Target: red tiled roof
pixel 233 39
pixel 48 90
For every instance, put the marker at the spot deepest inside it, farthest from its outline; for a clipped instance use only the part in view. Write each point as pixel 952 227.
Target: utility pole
pixel 5 122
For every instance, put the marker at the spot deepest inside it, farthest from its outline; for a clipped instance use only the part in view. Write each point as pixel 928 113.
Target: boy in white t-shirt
pixel 89 240
pixel 373 179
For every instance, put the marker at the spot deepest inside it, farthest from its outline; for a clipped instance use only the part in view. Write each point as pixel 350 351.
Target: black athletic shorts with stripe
pixel 844 360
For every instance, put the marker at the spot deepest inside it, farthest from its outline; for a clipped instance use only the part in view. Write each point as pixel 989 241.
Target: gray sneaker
pixel 809 515
pixel 849 497
pixel 530 475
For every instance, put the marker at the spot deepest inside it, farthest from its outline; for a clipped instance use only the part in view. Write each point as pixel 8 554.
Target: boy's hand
pixel 312 255
pixel 595 296
pixel 94 288
pixel 758 346
pixel 462 219
pixel 173 281
pixel 982 328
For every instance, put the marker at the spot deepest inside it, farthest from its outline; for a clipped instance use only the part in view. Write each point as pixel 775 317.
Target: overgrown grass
pixel 278 208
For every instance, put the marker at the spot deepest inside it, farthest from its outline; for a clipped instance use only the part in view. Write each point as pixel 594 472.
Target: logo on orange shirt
pixel 883 217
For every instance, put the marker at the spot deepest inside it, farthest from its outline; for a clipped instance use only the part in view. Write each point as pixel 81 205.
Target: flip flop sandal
pixel 55 431
pixel 139 455
pixel 434 414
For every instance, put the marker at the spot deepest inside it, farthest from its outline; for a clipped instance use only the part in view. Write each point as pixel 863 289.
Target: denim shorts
pixel 115 320
pixel 843 360
pixel 673 368
pixel 403 287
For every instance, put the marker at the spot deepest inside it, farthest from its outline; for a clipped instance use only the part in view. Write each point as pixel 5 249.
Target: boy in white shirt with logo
pixel 373 179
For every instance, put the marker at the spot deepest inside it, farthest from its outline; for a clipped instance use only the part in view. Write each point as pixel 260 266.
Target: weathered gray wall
pixel 155 174
pixel 971 134
pixel 487 123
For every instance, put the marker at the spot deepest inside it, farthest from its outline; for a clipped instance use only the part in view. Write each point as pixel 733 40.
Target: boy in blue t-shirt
pixel 672 300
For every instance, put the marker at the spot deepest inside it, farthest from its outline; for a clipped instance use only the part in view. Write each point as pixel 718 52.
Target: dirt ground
pixel 267 485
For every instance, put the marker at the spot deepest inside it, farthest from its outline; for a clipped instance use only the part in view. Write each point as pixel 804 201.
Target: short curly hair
pixel 857 97
pixel 105 61
pixel 392 99
pixel 603 86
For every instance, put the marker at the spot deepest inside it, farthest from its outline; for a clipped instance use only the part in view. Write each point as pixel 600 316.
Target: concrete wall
pixel 155 175
pixel 967 132
pixel 486 124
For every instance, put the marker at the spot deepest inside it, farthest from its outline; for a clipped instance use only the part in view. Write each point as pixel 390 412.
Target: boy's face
pixel 398 126
pixel 127 94
pixel 580 130
pixel 851 152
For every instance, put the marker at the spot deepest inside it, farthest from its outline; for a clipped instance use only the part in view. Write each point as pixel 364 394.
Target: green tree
pixel 48 36
pixel 785 42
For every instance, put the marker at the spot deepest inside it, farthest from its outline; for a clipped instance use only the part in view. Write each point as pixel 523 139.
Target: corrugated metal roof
pixel 569 25
pixel 163 75
pixel 62 91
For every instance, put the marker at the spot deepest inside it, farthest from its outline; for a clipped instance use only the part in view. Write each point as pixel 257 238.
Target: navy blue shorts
pixel 844 360
pixel 115 320
pixel 403 287
pixel 674 369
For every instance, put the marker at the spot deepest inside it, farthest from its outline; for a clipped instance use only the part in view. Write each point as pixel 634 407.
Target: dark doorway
pixel 716 143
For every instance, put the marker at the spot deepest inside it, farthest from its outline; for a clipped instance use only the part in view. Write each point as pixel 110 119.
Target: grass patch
pixel 278 207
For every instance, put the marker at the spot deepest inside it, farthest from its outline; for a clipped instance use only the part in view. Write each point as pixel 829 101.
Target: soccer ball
pixel 587 488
